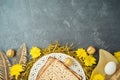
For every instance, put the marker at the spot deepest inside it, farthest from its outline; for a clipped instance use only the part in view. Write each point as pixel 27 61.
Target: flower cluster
pixel 81 53
pixel 35 52
pixel 15 70
pixel 89 60
pixel 98 77
pixel 117 55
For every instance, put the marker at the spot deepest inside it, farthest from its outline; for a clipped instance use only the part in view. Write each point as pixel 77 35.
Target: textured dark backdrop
pixel 37 22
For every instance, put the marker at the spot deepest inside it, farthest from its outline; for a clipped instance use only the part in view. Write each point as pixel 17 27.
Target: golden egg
pixel 10 53
pixel 68 62
pixel 91 50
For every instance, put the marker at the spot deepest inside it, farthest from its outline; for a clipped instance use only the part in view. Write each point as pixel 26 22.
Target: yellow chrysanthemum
pixel 117 55
pixel 81 53
pixel 15 70
pixel 89 60
pixel 35 52
pixel 98 77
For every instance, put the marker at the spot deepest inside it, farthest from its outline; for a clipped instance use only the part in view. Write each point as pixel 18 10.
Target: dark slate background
pixel 38 22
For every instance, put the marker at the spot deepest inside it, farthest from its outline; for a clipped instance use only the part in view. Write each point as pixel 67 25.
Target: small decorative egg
pixel 68 62
pixel 10 53
pixel 110 68
pixel 91 50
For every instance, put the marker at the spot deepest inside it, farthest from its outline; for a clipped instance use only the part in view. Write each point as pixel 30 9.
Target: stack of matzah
pixel 56 70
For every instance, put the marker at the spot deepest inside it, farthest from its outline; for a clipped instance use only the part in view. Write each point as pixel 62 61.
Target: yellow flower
pixel 35 52
pixel 89 60
pixel 117 55
pixel 98 77
pixel 81 53
pixel 15 70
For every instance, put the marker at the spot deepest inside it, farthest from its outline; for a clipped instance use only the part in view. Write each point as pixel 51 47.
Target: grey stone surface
pixel 38 22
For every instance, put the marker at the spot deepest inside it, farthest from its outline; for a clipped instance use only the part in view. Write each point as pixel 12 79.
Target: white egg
pixel 110 68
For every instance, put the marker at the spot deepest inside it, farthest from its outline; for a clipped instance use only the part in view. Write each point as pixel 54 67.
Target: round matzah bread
pixel 60 56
